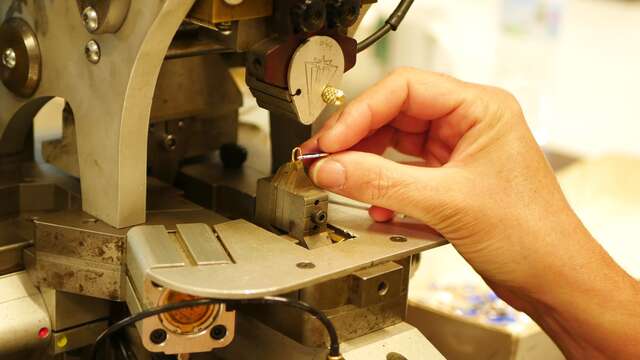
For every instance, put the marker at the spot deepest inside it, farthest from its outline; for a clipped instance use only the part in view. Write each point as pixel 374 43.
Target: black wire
pixel 334 347
pixel 392 23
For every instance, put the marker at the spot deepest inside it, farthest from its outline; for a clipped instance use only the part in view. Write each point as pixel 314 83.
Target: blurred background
pixel 574 65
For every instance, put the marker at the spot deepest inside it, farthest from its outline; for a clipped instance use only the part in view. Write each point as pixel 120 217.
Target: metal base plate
pixel 266 264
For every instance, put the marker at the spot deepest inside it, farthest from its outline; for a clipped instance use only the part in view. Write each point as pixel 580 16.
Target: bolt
pixel 398 238
pixel 306 265
pixel 218 332
pixel 333 96
pixel 158 336
pixel 90 19
pixel 92 51
pixel 224 27
pixel 9 58
pixel 170 142
pixel 319 217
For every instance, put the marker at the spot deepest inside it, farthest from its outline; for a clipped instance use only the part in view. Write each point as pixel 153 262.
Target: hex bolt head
pixel 92 51
pixel 218 332
pixel 158 336
pixel 9 58
pixel 90 19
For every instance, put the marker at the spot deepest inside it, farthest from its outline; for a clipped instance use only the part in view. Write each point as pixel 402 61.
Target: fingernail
pixel 328 174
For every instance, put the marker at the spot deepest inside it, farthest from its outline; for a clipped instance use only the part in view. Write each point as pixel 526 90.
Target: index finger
pixel 418 94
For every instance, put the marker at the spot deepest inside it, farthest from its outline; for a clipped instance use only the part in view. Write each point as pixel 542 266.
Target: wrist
pixel 590 305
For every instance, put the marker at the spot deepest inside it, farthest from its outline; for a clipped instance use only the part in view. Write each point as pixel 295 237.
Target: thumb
pixel 411 190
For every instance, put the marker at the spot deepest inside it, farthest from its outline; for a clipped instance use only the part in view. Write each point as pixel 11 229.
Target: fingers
pixel 379 214
pixel 418 96
pixel 384 183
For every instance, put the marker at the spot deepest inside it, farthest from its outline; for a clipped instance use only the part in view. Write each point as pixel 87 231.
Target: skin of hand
pixel 485 185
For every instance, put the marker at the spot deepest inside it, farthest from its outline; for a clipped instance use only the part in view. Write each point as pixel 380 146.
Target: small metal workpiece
pixel 296 155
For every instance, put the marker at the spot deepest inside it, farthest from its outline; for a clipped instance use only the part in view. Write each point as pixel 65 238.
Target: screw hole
pixel 305 265
pixel 218 332
pixel 257 63
pixel 398 238
pixel 316 203
pixel 395 356
pixel 158 336
pixel 383 288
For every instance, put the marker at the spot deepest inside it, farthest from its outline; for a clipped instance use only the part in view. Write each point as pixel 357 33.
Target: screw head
pixel 92 51
pixel 319 217
pixel 158 336
pixel 224 27
pixel 170 142
pixel 90 19
pixel 9 58
pixel 218 332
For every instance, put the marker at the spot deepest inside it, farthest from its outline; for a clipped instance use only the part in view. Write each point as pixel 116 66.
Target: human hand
pixel 483 183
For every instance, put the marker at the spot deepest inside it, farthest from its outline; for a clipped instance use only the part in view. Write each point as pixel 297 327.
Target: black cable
pixel 334 348
pixel 392 23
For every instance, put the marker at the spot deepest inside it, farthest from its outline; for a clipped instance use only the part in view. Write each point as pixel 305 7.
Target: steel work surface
pixel 266 264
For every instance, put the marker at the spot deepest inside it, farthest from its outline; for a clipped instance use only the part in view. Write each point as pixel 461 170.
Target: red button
pixel 43 332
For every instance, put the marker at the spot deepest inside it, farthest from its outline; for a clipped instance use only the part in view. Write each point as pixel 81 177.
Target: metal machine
pixel 131 215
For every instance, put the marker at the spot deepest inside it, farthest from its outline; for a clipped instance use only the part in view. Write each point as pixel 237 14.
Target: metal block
pixel 77 337
pixel 290 203
pixel 350 321
pixel 375 284
pixel 79 259
pixel 150 247
pixel 10 203
pixel 192 246
pixel 215 11
pixel 68 310
pixel 22 315
pixel 202 244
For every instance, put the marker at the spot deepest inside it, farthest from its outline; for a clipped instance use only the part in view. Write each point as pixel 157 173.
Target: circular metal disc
pixel 316 64
pixel 24 77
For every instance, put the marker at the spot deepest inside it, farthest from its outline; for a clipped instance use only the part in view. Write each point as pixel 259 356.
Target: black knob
pixel 233 155
pixel 342 13
pixel 158 336
pixel 309 15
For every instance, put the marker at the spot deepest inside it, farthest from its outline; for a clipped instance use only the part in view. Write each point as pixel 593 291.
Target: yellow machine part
pixel 216 11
